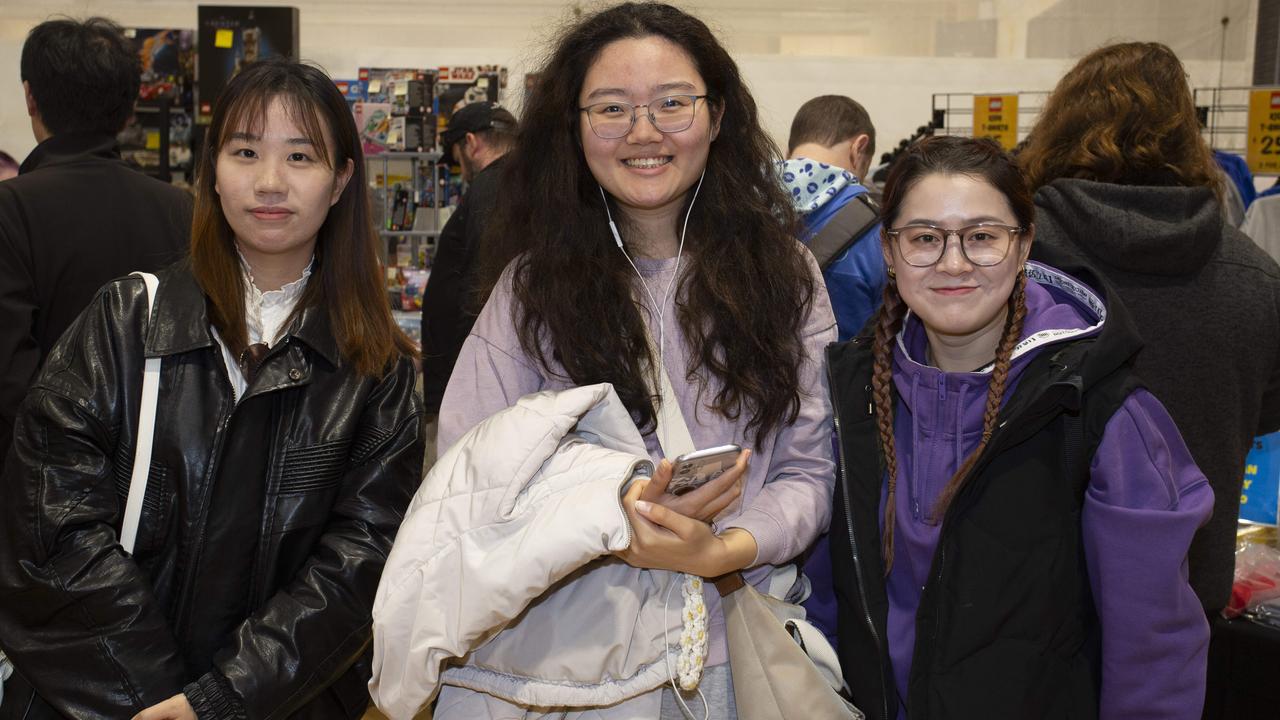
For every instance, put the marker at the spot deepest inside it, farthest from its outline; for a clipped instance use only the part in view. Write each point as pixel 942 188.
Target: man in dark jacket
pixel 76 216
pixel 478 136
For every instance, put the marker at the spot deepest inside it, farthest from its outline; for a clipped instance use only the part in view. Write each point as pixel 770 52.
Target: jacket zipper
pixel 626 521
pixel 978 466
pixel 193 554
pixel 853 547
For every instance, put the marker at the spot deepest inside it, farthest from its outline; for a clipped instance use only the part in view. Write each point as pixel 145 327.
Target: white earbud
pixel 612 227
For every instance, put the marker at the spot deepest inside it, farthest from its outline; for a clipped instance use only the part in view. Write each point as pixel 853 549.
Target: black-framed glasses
pixel 613 119
pixel 984 244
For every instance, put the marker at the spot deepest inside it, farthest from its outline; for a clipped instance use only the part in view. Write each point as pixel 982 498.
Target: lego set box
pixel 394 109
pixel 230 36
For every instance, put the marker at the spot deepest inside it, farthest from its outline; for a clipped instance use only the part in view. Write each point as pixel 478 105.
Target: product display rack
pixel 953 112
pixel 1224 121
pixel 396 221
pixel 158 139
pixel 405 189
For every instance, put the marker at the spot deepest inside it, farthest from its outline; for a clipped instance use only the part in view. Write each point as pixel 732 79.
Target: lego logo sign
pixel 996 117
pixel 1275 100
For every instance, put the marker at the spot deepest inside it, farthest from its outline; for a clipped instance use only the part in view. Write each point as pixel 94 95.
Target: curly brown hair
pixel 1125 115
pixel 947 155
pixel 747 290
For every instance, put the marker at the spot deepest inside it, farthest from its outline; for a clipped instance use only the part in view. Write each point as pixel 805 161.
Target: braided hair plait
pixel 888 323
pixel 995 392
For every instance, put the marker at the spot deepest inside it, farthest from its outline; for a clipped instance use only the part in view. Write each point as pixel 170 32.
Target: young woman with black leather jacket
pixel 286 447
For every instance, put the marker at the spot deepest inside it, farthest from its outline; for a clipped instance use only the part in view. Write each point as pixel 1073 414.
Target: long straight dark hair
pixel 947 155
pixel 747 288
pixel 346 277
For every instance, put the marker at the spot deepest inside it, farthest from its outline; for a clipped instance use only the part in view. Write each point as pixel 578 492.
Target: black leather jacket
pixel 264 531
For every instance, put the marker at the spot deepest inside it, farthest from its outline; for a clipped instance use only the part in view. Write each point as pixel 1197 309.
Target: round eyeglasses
pixel 614 119
pixel 984 244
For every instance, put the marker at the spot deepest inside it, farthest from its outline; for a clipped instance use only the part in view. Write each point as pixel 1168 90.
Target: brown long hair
pixel 346 277
pixel 1124 114
pixel 948 155
pixel 747 291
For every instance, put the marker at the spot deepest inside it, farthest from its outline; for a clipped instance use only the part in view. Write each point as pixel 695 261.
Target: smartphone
pixel 695 469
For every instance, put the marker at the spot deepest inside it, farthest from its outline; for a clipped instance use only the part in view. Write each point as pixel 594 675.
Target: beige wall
pixel 881 53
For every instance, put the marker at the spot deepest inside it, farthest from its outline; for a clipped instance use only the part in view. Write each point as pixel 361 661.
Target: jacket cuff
pixel 213 698
pixel 769 534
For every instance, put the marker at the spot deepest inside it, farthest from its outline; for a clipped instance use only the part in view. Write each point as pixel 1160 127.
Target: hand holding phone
pixel 693 470
pixel 709 485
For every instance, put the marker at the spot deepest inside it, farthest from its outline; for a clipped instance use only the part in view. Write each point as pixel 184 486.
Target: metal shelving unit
pixel 422 186
pixel 953 112
pixel 419 173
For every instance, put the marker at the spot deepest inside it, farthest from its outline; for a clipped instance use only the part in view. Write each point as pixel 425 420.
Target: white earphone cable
pixel 659 308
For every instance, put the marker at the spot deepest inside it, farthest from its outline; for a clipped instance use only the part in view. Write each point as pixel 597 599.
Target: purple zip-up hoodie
pixel 1143 504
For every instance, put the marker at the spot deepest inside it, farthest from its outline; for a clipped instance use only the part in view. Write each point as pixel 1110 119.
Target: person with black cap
pixel 477 137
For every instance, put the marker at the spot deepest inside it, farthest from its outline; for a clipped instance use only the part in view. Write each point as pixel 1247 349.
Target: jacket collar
pixel 68 147
pixel 182 319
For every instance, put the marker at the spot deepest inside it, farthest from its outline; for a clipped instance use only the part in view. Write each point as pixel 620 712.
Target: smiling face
pixel 647 172
pixel 275 189
pixel 958 302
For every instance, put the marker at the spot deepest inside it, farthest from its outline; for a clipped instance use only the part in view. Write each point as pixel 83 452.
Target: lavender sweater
pixel 1143 504
pixel 787 492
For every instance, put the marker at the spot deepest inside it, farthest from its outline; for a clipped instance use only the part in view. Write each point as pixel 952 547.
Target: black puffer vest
pixel 1006 626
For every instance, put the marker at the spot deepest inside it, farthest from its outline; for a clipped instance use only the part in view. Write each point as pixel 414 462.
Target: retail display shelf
pixel 429 156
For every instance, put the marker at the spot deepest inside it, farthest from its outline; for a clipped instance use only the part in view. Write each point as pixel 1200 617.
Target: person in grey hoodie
pixel 1135 196
pixel 1012 509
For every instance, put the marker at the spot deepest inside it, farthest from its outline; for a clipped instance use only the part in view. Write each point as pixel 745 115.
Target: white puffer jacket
pixel 504 559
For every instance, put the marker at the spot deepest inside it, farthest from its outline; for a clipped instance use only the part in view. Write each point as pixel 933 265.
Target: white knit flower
pixel 693 634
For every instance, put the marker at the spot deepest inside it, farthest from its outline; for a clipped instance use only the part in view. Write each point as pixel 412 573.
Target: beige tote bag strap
pixel 673 431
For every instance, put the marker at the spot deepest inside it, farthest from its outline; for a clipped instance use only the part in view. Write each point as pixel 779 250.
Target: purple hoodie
pixel 1143 504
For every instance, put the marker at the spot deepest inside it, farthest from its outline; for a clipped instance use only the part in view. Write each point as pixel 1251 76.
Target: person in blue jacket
pixel 830 149
pixel 829 155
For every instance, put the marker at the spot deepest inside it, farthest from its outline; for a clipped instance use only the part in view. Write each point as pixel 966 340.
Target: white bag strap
pixel 673 431
pixel 146 432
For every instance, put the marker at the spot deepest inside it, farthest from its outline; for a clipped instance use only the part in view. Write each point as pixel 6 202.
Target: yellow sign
pixel 153 139
pixel 1264 132
pixel 996 117
pixel 224 38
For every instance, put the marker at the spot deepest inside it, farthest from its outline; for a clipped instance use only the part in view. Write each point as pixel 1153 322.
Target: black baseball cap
pixel 473 118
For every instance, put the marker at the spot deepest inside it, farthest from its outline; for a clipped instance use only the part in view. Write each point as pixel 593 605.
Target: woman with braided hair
pixel 1013 510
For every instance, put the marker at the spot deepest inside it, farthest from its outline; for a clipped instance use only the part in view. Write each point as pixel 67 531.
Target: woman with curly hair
pixel 1013 510
pixel 1125 184
pixel 641 203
